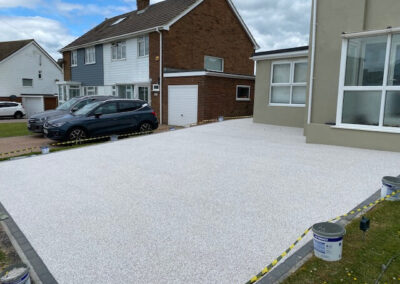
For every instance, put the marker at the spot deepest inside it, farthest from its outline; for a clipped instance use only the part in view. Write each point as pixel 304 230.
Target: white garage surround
pixel 182 104
pixel 208 204
pixel 33 104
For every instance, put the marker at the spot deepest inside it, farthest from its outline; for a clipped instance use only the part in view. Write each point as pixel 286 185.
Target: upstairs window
pixel 118 50
pixel 213 64
pixel 143 45
pixel 288 83
pixel 90 55
pixel 27 82
pixel 74 58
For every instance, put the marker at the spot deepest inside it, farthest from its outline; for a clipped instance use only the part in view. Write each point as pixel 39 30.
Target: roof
pixel 8 48
pixel 278 53
pixel 155 15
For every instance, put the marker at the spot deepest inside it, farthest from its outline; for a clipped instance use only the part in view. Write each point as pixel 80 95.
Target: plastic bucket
pixel 45 150
pixel 113 138
pixel 16 274
pixel 328 241
pixel 390 185
pixel 221 119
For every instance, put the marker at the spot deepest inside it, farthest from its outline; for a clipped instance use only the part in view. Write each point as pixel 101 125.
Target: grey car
pixel 36 122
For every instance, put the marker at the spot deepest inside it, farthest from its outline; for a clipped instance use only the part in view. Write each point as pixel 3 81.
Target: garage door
pixel 182 104
pixel 32 105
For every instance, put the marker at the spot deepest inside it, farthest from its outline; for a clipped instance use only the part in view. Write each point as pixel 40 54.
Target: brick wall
pixel 217 96
pixel 210 29
pixel 67 65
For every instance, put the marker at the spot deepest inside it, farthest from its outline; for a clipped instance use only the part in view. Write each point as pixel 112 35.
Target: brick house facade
pixel 203 28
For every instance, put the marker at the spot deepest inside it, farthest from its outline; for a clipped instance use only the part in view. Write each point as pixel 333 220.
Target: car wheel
pixel 146 127
pixel 18 115
pixel 77 134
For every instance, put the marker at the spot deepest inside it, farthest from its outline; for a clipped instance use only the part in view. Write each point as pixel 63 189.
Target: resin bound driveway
pixel 209 204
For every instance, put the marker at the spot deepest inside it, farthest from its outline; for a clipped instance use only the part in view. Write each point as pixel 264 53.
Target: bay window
pixel 288 83
pixel 369 89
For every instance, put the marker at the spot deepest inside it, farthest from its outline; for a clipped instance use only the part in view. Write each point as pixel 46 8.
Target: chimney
pixel 142 4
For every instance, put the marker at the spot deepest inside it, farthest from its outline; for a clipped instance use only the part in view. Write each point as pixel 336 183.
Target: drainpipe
pixel 161 75
pixel 314 30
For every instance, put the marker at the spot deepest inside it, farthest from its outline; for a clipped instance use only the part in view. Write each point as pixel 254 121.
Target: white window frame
pixel 384 89
pixel 244 87
pixel 90 91
pixel 90 55
pixel 143 40
pixel 291 83
pixel 27 79
pixel 118 45
pixel 223 63
pixel 74 58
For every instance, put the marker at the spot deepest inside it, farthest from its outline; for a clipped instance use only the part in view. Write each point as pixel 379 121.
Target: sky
pixel 55 23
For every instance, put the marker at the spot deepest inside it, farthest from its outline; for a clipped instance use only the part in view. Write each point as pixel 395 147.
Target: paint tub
pixel 16 274
pixel 113 138
pixel 328 241
pixel 45 150
pixel 221 119
pixel 390 185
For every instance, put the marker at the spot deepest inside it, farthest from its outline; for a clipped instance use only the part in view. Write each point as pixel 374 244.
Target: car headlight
pixel 58 124
pixel 43 119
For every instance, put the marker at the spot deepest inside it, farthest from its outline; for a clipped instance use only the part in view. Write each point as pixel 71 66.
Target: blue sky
pixel 55 23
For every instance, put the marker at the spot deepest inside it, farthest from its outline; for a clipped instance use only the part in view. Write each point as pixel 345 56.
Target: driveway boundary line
pixel 38 270
pixel 295 261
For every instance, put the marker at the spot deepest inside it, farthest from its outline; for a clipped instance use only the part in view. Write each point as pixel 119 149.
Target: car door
pixel 2 109
pixel 10 109
pixel 128 115
pixel 104 120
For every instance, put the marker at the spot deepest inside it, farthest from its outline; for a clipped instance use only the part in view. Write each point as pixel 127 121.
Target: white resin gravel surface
pixel 209 204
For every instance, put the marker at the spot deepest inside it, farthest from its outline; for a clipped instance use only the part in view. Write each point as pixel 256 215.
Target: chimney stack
pixel 142 4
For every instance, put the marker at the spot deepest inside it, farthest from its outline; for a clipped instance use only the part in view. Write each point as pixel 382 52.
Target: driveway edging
pixel 38 270
pixel 302 255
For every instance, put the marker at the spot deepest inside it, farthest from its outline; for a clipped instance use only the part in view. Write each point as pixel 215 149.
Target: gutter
pixel 311 85
pixel 161 75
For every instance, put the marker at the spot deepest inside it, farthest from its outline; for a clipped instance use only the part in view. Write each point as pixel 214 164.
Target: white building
pixel 28 74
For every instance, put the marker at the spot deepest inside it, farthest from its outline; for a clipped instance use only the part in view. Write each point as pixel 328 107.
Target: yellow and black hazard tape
pixel 274 263
pixel 19 151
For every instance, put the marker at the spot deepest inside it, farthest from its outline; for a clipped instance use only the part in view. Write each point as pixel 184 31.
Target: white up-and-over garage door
pixel 32 105
pixel 182 104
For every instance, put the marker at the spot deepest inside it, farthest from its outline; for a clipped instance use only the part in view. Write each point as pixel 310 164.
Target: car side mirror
pixel 97 115
pixel 74 109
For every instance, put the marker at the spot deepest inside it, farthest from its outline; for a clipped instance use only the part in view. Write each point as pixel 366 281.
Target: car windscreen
pixel 67 105
pixel 87 108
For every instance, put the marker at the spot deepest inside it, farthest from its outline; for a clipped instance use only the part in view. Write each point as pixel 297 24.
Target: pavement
pixel 8 120
pixel 9 144
pixel 208 204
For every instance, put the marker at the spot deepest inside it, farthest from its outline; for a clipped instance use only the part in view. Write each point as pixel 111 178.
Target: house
pixel 353 77
pixel 28 75
pixel 190 59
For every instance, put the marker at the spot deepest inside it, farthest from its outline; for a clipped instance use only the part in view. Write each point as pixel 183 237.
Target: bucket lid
pixel 329 230
pixel 22 270
pixel 394 181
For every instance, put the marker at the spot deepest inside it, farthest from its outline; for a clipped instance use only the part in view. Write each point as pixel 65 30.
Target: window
pixel 118 21
pixel 369 93
pixel 40 75
pixel 90 91
pixel 143 45
pixel 129 106
pixel 288 83
pixel 107 108
pixel 213 64
pixel 74 91
pixel 144 94
pixel 27 82
pixel 74 58
pixel 90 55
pixel 243 93
pixel 118 50
pixel 81 104
pixel 125 91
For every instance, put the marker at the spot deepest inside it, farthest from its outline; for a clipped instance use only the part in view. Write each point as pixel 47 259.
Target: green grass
pixel 13 129
pixel 362 260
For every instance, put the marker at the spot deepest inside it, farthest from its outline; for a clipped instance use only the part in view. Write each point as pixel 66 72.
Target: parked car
pixel 103 118
pixel 12 109
pixel 36 122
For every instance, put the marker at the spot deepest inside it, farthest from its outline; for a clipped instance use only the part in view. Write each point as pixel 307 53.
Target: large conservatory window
pixel 369 95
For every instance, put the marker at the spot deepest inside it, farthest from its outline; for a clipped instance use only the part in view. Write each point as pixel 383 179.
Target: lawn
pixel 362 260
pixel 13 129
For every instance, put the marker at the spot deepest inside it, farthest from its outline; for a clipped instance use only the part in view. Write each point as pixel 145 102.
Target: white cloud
pixel 50 34
pixel 74 9
pixel 19 3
